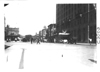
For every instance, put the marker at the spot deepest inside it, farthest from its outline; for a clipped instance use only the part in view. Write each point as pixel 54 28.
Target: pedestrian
pixel 31 40
pixel 38 41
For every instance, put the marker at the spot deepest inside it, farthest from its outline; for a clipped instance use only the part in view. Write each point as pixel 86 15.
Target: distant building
pixel 51 32
pixel 77 19
pixel 37 36
pixel 42 34
pixel 11 33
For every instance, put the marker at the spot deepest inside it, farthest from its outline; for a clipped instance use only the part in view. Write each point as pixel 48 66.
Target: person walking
pixel 38 41
pixel 31 40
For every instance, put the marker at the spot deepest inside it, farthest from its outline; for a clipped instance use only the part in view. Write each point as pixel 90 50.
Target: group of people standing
pixel 37 40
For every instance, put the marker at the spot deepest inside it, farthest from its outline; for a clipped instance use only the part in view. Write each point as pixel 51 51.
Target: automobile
pixel 61 41
pixel 45 40
pixel 72 41
pixel 24 40
pixel 16 39
pixel 65 41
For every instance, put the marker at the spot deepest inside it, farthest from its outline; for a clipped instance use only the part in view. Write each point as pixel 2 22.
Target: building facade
pixel 42 34
pixel 51 32
pixel 11 33
pixel 77 19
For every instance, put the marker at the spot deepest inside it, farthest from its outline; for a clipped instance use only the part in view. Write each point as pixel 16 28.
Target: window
pixel 75 33
pixel 84 7
pixel 91 6
pixel 69 11
pixel 95 16
pixel 80 21
pixel 75 7
pixel 91 17
pixel 71 23
pixel 66 13
pixel 83 19
pixel 74 22
pixel 86 18
pixel 78 6
pixel 69 6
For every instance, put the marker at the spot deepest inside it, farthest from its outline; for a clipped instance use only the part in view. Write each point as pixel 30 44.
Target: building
pixel 51 32
pixel 77 19
pixel 42 34
pixel 11 33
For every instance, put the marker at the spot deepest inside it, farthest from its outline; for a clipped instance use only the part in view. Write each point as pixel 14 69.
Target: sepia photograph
pixel 50 36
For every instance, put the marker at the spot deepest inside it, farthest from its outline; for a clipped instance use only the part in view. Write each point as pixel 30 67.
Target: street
pixel 49 56
pixel 64 35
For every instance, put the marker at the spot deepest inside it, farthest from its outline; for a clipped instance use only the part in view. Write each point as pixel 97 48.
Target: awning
pixel 64 33
pixel 12 35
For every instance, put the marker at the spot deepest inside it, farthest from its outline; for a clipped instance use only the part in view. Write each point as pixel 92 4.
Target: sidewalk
pixel 92 44
pixel 85 43
pixel 12 43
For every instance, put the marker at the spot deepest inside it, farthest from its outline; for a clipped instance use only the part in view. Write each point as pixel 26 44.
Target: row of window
pixel 83 32
pixel 81 20
pixel 80 33
pixel 61 13
pixel 83 7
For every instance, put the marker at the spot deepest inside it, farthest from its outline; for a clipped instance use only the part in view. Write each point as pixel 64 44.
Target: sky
pixel 30 16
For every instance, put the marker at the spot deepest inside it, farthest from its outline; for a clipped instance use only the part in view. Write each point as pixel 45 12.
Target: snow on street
pixel 49 56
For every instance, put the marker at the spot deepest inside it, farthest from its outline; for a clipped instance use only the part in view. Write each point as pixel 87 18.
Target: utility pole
pixel 6 4
pixel 6 31
pixel 88 24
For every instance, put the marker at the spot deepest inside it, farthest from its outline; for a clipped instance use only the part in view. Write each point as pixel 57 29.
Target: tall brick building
pixel 77 19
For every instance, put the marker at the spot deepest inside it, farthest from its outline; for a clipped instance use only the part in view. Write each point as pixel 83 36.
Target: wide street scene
pixel 50 36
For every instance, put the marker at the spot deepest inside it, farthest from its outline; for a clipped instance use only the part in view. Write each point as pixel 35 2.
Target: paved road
pixel 48 56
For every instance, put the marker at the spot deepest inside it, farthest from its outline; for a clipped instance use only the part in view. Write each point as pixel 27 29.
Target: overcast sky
pixel 30 16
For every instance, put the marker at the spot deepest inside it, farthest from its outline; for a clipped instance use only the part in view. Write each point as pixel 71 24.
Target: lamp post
pixel 6 31
pixel 6 4
pixel 69 22
pixel 88 23
pixel 63 26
